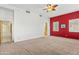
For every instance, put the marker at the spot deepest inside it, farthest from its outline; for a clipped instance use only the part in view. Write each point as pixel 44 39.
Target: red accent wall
pixel 64 19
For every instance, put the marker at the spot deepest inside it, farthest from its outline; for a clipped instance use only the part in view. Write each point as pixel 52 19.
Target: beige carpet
pixel 42 46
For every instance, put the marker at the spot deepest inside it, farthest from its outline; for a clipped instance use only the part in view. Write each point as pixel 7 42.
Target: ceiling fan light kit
pixel 50 7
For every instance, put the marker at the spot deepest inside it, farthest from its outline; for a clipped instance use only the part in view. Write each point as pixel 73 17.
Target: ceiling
pixel 38 9
pixel 29 6
pixel 35 8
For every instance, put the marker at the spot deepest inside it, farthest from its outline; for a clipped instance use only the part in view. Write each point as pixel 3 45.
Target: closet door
pixel 6 32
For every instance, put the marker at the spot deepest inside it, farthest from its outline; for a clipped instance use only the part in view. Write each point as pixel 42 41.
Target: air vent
pixel 40 15
pixel 27 11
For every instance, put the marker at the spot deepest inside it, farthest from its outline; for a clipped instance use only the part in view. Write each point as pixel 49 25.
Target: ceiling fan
pixel 50 7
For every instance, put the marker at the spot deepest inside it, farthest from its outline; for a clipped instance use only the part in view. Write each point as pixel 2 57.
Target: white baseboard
pixel 26 38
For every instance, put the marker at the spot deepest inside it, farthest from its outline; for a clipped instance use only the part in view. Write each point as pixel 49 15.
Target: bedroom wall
pixel 64 19
pixel 26 26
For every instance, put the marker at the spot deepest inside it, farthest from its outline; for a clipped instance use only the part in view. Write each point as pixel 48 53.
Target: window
pixel 56 26
pixel 74 25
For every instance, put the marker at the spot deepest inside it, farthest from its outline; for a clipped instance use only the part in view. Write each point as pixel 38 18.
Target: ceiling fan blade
pixel 53 9
pixel 55 5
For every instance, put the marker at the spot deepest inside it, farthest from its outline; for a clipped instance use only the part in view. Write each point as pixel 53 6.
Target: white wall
pixel 25 26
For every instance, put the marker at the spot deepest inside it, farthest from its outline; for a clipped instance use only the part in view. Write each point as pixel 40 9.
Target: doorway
pixel 5 32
